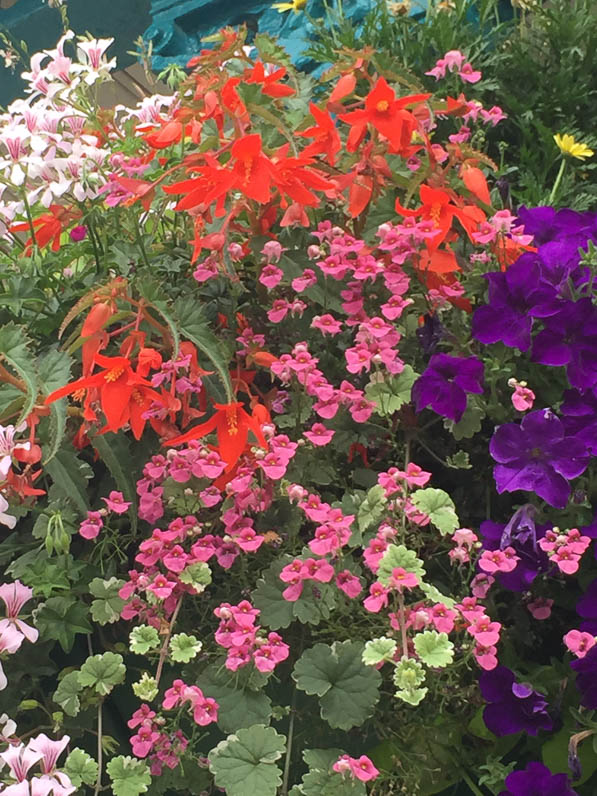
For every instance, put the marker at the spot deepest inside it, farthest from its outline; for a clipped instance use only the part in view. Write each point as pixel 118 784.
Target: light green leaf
pixel 194 326
pixel 80 768
pixel 107 606
pixel 276 612
pixel 434 649
pixel 408 674
pixel 184 648
pixel 435 595
pixel 67 694
pixel 440 508
pixel 378 650
pixel 102 672
pixel 399 556
pixel 197 575
pixel 129 776
pixel 389 395
pixel 412 697
pixel 146 689
pixel 239 706
pixel 245 763
pixel 348 689
pixel 144 638
pixel 372 508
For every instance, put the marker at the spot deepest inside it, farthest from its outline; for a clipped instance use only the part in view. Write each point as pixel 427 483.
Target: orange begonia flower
pixel 232 424
pixel 387 115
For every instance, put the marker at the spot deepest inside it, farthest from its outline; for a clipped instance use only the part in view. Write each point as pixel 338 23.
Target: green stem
pixel 556 184
pixel 475 789
pixel 98 782
pixel 164 650
pixel 289 744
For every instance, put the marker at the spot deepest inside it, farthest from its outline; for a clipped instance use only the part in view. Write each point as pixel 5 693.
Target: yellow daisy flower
pixel 568 146
pixel 294 5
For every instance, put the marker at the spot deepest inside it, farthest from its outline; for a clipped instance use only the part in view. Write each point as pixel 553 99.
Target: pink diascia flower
pixel 116 502
pixel 360 768
pixel 319 435
pixel 91 526
pixel 579 643
pixel 540 608
pixel 468 74
pixel 523 397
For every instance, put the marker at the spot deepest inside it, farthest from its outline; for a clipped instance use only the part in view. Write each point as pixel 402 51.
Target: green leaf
pixel 196 575
pixel 433 648
pixel 348 689
pixel 321 780
pixel 435 595
pixel 440 508
pixel 193 325
pixel 245 763
pixel 107 606
pixel 102 672
pixel 146 689
pixel 61 618
pixel 67 694
pixel 378 650
pixel 184 648
pixel 129 776
pixel 239 707
pixel 153 293
pixel 468 425
pixel 372 508
pixel 144 638
pixel 390 395
pixel 399 556
pixel 316 602
pixel 81 768
pixel 15 352
pixel 116 454
pixel 70 475
pixel 54 372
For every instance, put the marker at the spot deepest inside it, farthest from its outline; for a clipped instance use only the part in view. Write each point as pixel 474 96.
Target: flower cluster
pixel 241 637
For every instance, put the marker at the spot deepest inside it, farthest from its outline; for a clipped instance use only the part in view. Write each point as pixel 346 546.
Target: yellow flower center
pixel 114 373
pixel 382 106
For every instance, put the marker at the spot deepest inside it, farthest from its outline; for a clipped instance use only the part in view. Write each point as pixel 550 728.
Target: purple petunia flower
pixel 586 607
pixel 579 411
pixel 546 224
pixel 512 706
pixel 444 384
pixel 513 297
pixel 570 338
pixel 537 456
pixel 537 780
pixel 520 533
pixel 586 677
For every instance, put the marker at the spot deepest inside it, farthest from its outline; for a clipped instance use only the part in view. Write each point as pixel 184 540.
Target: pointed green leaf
pixel 245 763
pixel 61 618
pixel 70 475
pixel 153 293
pixel 114 450
pixel 54 372
pixel 194 327
pixel 15 352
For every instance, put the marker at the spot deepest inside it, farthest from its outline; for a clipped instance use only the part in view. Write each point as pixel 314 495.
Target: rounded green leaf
pixel 144 638
pixel 102 672
pixel 439 507
pixel 245 763
pixel 348 689
pixel 129 776
pixel 184 648
pixel 434 649
pixel 80 767
pixel 378 650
